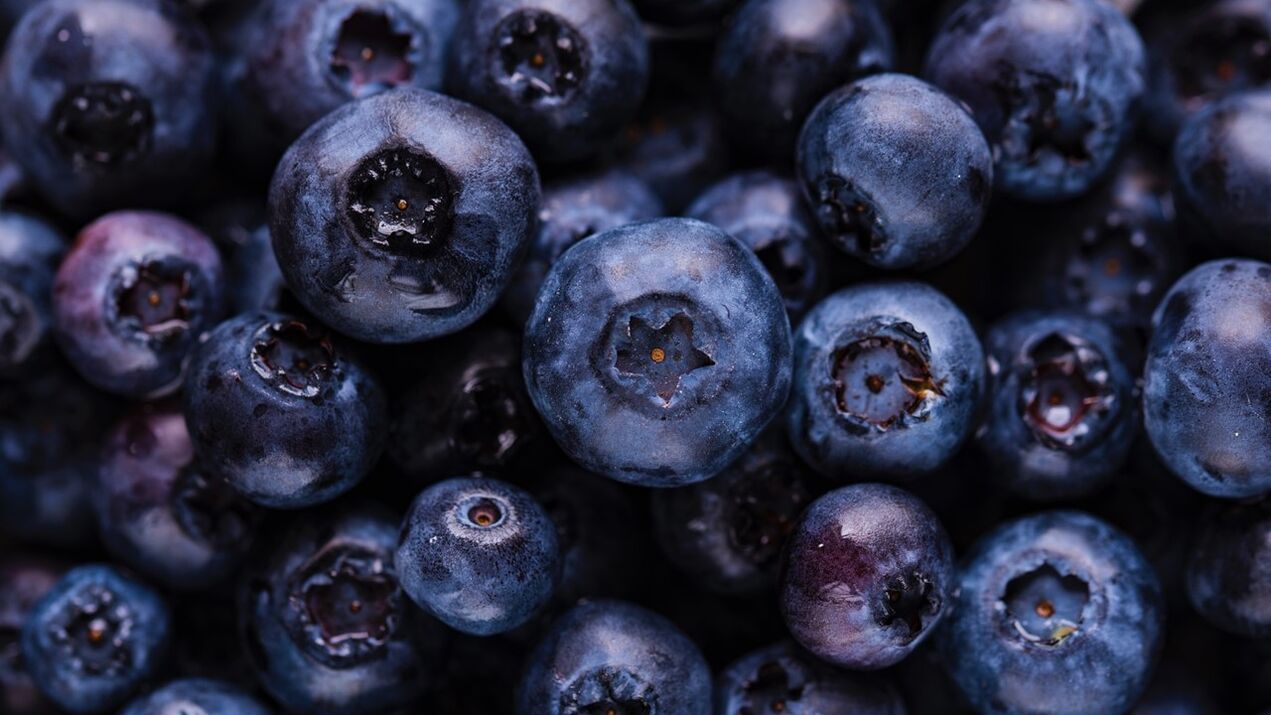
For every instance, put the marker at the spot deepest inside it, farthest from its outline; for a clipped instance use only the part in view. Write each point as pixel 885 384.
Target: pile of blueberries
pixel 635 357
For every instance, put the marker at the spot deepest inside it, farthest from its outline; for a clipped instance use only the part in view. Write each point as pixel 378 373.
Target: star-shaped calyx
pixel 663 355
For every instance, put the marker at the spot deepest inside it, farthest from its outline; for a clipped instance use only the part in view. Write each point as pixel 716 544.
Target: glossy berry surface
pixel 1047 601
pixel 196 695
pixel 612 656
pixel 1208 353
pixel 1227 578
pixel 30 250
pixel 283 411
pixel 783 678
pixel 867 576
pixel 1054 84
pixel 887 381
pixel 95 638
pixel 479 554
pixel 131 298
pixel 411 229
pixel 657 352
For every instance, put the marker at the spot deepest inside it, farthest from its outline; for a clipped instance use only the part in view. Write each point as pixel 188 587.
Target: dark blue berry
pixel 30 250
pixel 196 696
pixel 782 678
pixel 253 280
pixel 24 580
pixel 676 147
pixel 1228 580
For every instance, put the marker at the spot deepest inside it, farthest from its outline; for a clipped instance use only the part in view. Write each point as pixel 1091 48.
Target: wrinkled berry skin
pixel 326 624
pixel 118 632
pixel 1054 85
pixel 23 581
pixel 765 211
pixel 1208 354
pixel 887 381
pixel 615 655
pixel 783 678
pixel 728 531
pixel 282 412
pixel 778 58
pixel 657 352
pixel 196 695
pixel 1062 407
pixel 565 74
pixel 1228 579
pixel 417 250
pixel 1055 613
pixel 160 512
pixel 1222 162
pixel 109 102
pixel 30 251
pixel 867 576
pixel 571 210
pixel 897 172
pixel 131 298
pixel 479 554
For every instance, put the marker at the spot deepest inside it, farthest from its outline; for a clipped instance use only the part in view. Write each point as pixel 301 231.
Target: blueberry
pixel 683 12
pixel 727 532
pixel 565 74
pixel 612 656
pixel 657 352
pixel 325 622
pixel 10 12
pixel 887 381
pixel 108 102
pixel 897 171
pixel 1055 613
pixel 196 696
pixel 573 209
pixel 777 58
pixel 23 581
pixel 30 250
pixel 161 513
pixel 765 211
pixel 467 409
pixel 676 147
pixel 282 411
pixel 1208 362
pixel 479 554
pixel 1227 577
pixel 95 638
pixel 132 296
pixel 1062 404
pixel 1221 160
pixel 253 279
pixel 1054 84
pixel 782 678
pixel 400 217
pixel 867 576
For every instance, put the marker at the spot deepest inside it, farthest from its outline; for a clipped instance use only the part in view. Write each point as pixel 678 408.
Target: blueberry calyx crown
pixel 371 53
pixel 608 691
pixel 490 419
pixel 19 325
pixel 482 512
pixel 1222 54
pixel 541 56
pixel 92 631
pixel 103 124
pixel 1114 267
pixel 293 357
pixel 1048 124
pixel 849 217
pixel 883 379
pixel 1044 606
pixel 770 690
pixel 344 605
pixel 401 200
pixel 662 353
pixel 906 598
pixel 763 508
pixel 1067 394
pixel 155 298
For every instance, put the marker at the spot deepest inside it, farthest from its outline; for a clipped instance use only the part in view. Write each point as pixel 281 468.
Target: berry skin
pixel 1228 581
pixel 1222 162
pixel 282 411
pixel 565 74
pixel 657 352
pixel 131 298
pixel 325 622
pixel 868 575
pixel 95 639
pixel 196 696
pixel 897 172
pixel 777 58
pixel 30 250
pixel 253 279
pixel 1062 405
pixel 1054 84
pixel 1209 353
pixel 479 554
pixel 1055 613
pixel 887 381
pixel 23 581
pixel 400 217
pixel 676 147
pixel 611 656
pixel 766 212
pixel 161 513
pixel 108 103
pixel 782 678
